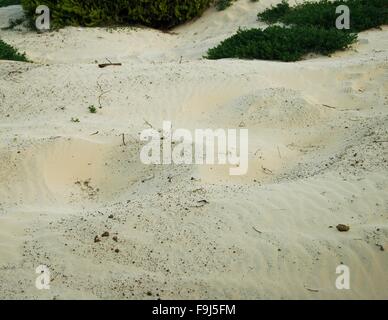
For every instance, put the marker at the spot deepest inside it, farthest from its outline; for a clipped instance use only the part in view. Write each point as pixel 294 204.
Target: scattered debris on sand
pixel 343 228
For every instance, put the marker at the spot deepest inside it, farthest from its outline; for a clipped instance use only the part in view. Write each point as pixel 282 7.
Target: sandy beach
pixel 318 157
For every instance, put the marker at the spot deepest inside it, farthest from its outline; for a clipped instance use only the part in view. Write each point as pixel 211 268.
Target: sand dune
pixel 317 152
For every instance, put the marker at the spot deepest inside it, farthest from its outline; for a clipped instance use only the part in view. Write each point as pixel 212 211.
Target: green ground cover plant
pixel 7 52
pixel 364 14
pixel 281 43
pixel 161 14
pixel 6 3
pixel 308 27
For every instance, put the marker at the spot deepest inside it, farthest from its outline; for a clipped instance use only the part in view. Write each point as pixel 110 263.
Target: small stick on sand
pixel 327 106
pixel 103 65
pixel 101 94
pixel 123 139
pixel 280 156
pixel 148 124
pixel 148 178
pixel 266 170
pixel 201 203
pixel 257 230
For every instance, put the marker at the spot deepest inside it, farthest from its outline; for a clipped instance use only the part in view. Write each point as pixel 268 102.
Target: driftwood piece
pixel 103 65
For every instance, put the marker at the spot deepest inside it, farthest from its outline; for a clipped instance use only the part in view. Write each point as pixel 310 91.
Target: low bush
pixel 6 3
pixel 310 28
pixel 154 13
pixel 364 14
pixel 282 43
pixel 7 52
pixel 223 4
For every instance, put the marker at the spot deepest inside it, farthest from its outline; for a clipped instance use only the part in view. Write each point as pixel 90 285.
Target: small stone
pixel 343 228
pixel 105 234
pixel 97 239
pixel 111 216
pixel 115 238
pixel 117 250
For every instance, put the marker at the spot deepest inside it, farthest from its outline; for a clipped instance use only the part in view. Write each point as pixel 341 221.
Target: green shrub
pixel 311 30
pixel 6 3
pixel 154 13
pixel 282 43
pixel 275 13
pixel 92 109
pixel 9 53
pixel 223 4
pixel 364 14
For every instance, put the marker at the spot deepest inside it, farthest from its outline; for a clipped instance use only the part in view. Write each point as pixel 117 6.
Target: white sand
pixel 329 166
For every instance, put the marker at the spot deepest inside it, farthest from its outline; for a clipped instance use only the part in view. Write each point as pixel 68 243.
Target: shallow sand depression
pixel 318 132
